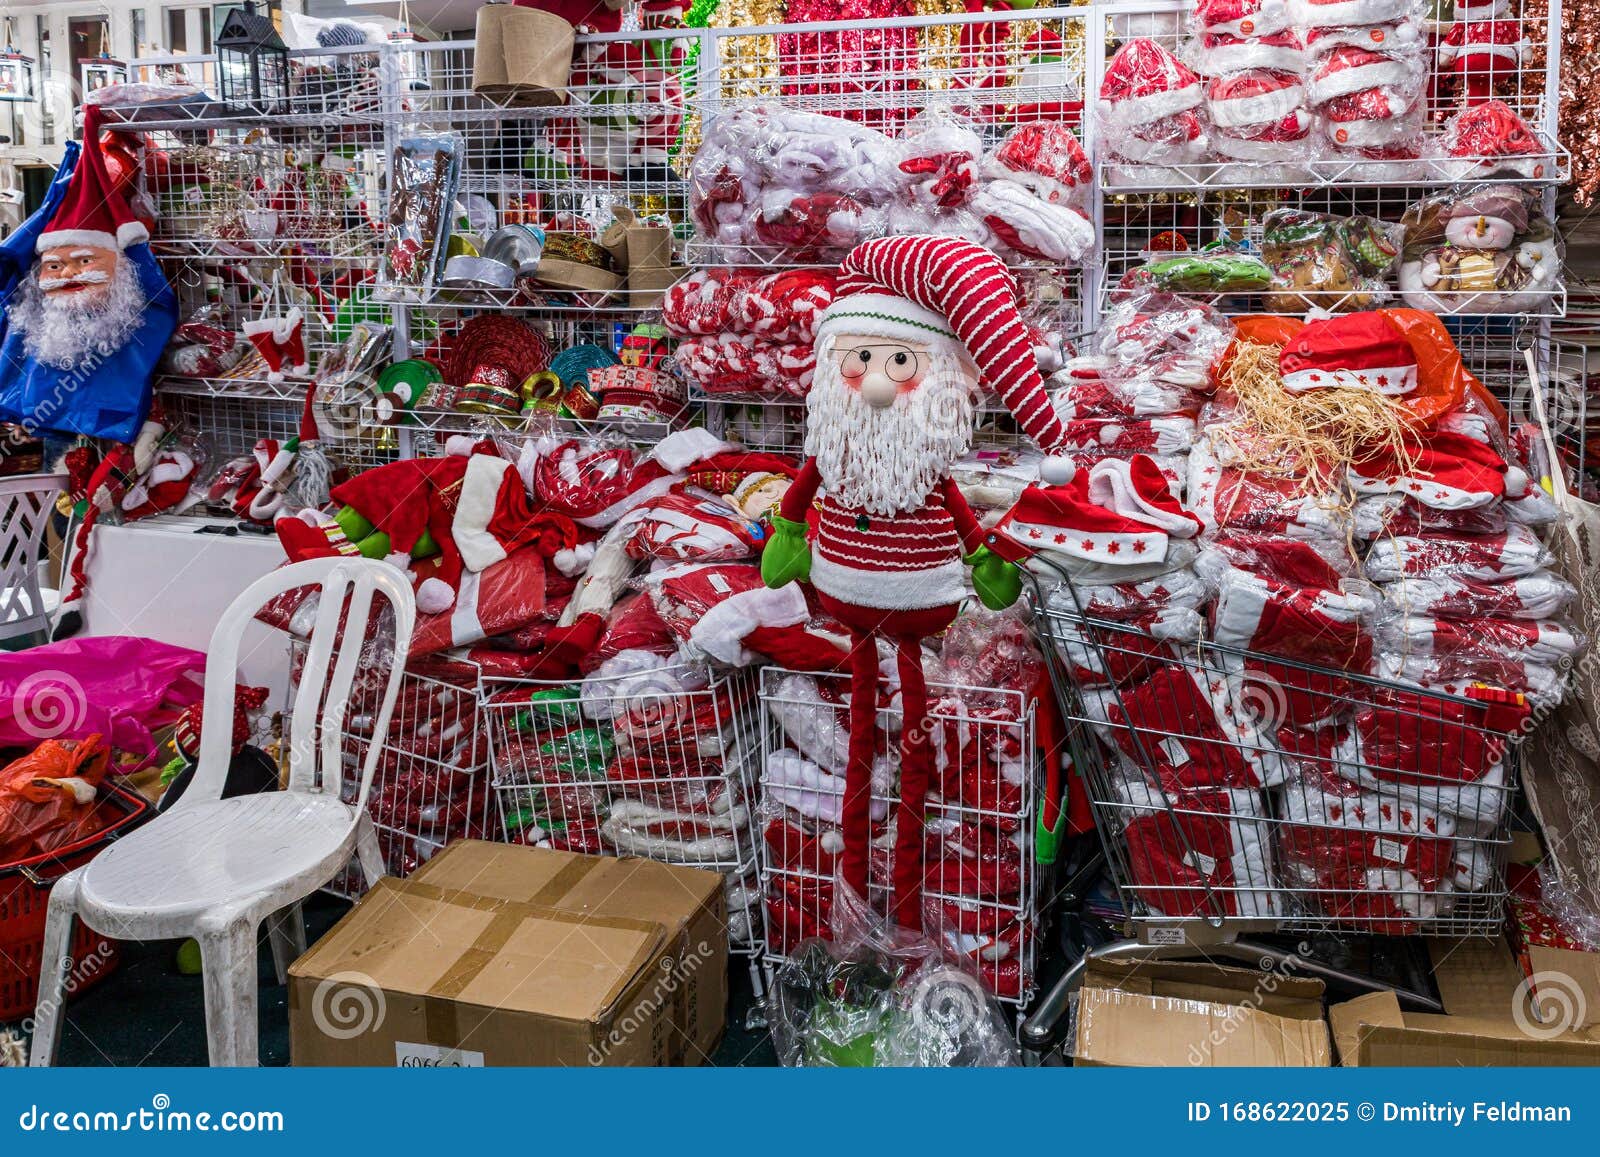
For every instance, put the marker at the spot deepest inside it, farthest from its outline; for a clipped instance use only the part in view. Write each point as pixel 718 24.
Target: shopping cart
pixel 659 764
pixel 1237 793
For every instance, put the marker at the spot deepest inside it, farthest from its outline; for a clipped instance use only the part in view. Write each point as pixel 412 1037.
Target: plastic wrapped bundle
pixel 1147 109
pixel 1486 249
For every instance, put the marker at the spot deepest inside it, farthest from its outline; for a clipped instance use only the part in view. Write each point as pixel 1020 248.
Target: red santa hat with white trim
pixel 1354 350
pixel 1120 511
pixel 955 297
pixel 92 212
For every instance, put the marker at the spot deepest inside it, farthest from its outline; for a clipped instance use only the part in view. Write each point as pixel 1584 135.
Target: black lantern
pixel 252 63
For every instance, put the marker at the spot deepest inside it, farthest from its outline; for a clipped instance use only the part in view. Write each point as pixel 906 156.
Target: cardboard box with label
pixel 1207 1015
pixel 494 954
pixel 1487 1019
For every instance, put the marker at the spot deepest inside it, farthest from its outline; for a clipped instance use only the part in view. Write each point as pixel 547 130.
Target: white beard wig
pixel 65 331
pixel 888 460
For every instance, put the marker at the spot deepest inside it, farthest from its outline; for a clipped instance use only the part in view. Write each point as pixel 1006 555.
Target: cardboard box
pixel 635 245
pixel 1206 1015
pixel 1563 971
pixel 1480 987
pixel 646 287
pixel 498 955
pixel 687 901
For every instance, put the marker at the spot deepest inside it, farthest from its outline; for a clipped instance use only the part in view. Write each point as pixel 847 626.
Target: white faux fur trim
pixel 574 562
pixel 1248 54
pixel 890 318
pixel 1367 134
pixel 1403 379
pixel 279 327
pixel 1095 546
pixel 1449 53
pixel 611 514
pixel 1111 486
pixel 1262 109
pixel 890 590
pixel 1348 13
pixel 683 448
pixel 1324 86
pixel 721 630
pixel 480 494
pixel 1249 149
pixel 1154 106
pixel 57 238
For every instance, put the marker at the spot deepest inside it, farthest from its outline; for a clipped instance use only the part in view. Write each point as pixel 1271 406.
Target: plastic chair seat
pixel 202 855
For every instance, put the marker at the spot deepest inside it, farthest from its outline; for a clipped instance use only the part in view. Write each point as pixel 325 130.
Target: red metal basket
pixel 24 893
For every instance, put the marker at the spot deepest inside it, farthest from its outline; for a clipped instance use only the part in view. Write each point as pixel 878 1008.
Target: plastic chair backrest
pixel 321 703
pixel 25 505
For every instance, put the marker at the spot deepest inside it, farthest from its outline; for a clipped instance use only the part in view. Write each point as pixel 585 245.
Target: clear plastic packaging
pixel 877 996
pixel 1540 595
pixel 1217 268
pixel 1147 107
pixel 1486 249
pixel 1240 17
pixel 775 183
pixel 1514 552
pixel 1487 140
pixel 1163 336
pixel 1321 261
pixel 1219 53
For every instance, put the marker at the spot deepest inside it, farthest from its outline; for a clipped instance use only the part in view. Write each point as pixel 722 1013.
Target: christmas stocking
pixel 281 343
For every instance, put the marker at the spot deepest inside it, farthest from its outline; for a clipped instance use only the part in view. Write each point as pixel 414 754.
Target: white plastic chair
pixel 215 868
pixel 25 505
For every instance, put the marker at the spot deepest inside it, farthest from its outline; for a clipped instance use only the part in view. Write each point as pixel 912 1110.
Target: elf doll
pixel 917 325
pixel 88 319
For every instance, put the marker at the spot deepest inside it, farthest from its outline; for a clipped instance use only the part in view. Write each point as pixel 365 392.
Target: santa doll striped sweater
pixel 908 560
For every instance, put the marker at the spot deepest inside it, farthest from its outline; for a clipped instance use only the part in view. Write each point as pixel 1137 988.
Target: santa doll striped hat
pixel 955 297
pixel 92 213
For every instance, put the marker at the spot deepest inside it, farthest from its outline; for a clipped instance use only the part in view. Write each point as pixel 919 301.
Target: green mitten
pixel 786 556
pixel 355 527
pixel 997 582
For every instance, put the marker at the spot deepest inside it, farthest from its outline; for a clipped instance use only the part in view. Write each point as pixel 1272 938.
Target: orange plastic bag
pixel 50 797
pixel 1442 380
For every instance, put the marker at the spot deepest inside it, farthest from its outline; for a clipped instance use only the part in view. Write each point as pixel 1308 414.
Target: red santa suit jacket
pixel 908 560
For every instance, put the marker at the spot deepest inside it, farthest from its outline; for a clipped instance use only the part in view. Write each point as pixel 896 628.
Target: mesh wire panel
pixel 979 869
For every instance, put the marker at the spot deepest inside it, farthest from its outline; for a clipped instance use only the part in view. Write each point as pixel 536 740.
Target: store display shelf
pixel 1551 166
pixel 244 389
pixel 446 422
pixel 513 301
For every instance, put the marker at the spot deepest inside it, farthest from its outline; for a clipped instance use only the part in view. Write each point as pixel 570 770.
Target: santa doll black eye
pixel 865 356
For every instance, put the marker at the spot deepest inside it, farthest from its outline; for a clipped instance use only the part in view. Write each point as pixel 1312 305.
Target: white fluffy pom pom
pixel 1057 470
pixel 434 596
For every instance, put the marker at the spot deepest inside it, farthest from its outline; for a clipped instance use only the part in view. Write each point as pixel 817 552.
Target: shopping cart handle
pixel 1007 547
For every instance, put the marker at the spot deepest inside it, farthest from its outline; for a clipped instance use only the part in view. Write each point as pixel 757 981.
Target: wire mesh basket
pixel 657 764
pixel 980 873
pixel 1248 791
pixel 431 785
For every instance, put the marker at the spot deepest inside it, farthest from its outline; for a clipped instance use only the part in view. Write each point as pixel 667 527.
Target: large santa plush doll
pixel 88 311
pixel 918 324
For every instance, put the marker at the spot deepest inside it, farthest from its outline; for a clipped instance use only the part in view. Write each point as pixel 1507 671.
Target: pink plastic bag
pixel 118 686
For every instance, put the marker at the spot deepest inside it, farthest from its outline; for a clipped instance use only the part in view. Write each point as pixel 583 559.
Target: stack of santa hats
pixel 1364 76
pixel 1253 60
pixel 1149 109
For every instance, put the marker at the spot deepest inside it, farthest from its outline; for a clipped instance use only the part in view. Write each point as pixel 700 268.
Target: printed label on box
pixel 419 1056
pixel 1202 863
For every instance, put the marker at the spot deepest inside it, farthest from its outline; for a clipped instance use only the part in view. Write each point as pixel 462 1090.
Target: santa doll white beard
pixel 65 330
pixel 888 460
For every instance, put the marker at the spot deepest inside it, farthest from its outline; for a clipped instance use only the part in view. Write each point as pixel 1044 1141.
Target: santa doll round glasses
pixel 897 362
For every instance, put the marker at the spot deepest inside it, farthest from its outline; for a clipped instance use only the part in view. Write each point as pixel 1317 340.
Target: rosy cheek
pixel 911 383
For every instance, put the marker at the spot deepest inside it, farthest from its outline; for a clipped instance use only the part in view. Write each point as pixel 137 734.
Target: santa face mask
pixel 886 419
pixel 82 300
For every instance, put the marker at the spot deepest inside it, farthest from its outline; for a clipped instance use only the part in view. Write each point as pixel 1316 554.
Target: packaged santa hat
pixel 1253 98
pixel 1308 14
pixel 1216 53
pixel 1030 199
pixel 1241 17
pixel 1351 68
pixel 1489 139
pixel 1146 107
